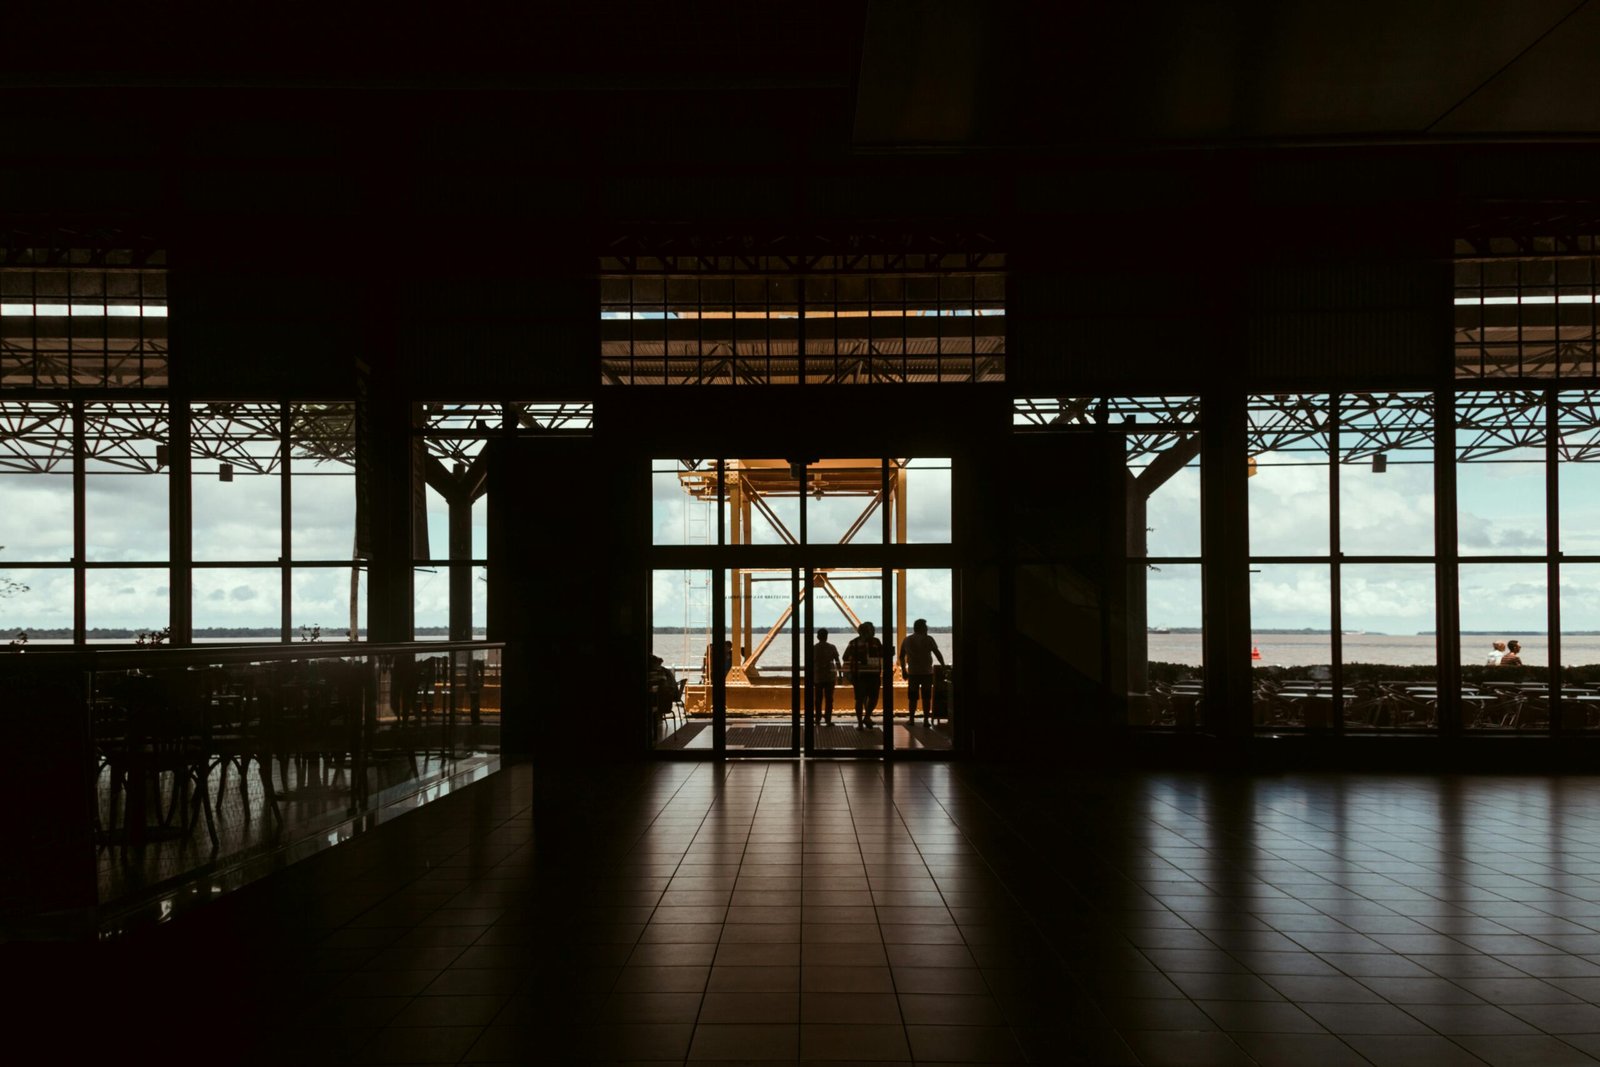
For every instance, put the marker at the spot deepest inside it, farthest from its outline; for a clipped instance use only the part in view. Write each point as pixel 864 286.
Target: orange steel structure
pixel 750 484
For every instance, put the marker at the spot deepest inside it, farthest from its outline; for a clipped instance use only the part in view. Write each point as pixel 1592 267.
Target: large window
pixel 272 495
pixel 108 582
pixel 802 319
pixel 1342 589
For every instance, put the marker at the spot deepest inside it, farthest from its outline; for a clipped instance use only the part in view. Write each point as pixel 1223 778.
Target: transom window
pixel 812 319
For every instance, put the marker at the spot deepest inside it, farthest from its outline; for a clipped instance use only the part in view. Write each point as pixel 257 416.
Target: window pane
pixel 763 502
pixel 122 604
pixel 430 601
pixel 125 497
pixel 125 517
pixel 927 501
pixel 763 627
pixel 323 599
pixel 1580 646
pixel 233 604
pixel 681 634
pixel 1386 474
pixel 237 519
pixel 36 482
pixel 1390 647
pixel 36 602
pixel 683 502
pixel 324 489
pixel 1289 511
pixel 928 595
pixel 842 598
pixel 1500 498
pixel 1579 453
pixel 1165 658
pixel 324 525
pixel 1291 618
pixel 237 492
pixel 844 502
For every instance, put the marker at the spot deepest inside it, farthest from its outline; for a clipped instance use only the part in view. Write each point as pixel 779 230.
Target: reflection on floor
pixel 312 799
pixel 918 912
pixel 695 734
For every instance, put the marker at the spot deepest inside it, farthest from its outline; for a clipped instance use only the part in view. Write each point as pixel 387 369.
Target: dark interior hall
pixel 870 531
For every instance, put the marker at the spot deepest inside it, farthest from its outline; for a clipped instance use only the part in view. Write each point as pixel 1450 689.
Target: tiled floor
pixel 695 734
pixel 935 913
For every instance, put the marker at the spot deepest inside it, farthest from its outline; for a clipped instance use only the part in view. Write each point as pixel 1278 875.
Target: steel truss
pixel 756 483
pixel 36 436
pixel 675 312
pixel 75 314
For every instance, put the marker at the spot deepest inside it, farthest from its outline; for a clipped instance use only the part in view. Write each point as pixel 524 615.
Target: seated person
pixel 1513 656
pixel 662 685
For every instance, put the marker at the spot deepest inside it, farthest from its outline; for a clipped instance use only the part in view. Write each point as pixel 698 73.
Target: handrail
pixel 192 655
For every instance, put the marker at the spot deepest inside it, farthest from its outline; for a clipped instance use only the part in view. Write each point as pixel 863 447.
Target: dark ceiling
pixel 943 74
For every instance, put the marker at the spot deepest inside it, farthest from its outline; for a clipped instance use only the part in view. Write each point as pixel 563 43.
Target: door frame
pixel 802 561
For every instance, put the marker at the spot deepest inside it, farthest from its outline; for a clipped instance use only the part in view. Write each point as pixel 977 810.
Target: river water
pixel 685 651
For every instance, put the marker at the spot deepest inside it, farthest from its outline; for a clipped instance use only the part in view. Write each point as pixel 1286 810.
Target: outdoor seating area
pixel 1413 705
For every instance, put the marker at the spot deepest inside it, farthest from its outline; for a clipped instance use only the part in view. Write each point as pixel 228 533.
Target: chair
pixel 162 741
pixel 678 707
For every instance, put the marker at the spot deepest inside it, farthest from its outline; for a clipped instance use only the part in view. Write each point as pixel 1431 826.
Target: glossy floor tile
pixel 928 913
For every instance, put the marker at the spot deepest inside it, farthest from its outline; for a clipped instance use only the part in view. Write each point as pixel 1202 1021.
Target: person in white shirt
pixel 917 653
pixel 1496 655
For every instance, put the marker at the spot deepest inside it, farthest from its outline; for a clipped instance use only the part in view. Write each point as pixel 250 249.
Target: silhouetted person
pixel 917 653
pixel 1513 656
pixel 825 671
pixel 663 686
pixel 863 661
pixel 727 657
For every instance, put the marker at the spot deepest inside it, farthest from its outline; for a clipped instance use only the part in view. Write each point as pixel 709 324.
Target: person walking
pixel 825 666
pixel 863 661
pixel 917 653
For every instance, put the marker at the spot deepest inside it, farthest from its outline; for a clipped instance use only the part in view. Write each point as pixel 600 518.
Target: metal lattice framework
pixel 455 432
pixel 1374 423
pixel 1152 425
pixel 859 313
pixel 1492 423
pixel 36 436
pixel 1578 426
pixel 82 310
pixel 1289 422
pixel 125 437
pixel 1528 305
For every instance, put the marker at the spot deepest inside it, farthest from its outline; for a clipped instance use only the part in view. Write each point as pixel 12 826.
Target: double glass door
pixel 782 588
pixel 819 660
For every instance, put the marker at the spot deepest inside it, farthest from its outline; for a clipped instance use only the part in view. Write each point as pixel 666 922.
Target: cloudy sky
pixel 126 522
pixel 1501 512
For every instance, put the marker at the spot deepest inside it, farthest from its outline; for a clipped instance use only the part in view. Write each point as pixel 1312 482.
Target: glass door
pixel 849 688
pixel 761 648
